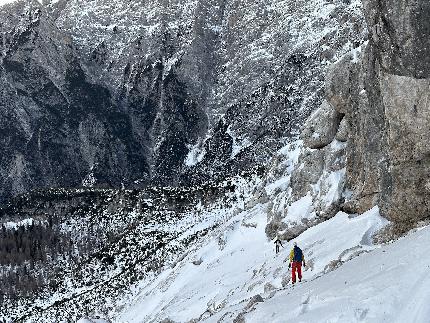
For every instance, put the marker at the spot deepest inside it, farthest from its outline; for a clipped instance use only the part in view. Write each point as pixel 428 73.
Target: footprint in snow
pixel 305 303
pixel 360 313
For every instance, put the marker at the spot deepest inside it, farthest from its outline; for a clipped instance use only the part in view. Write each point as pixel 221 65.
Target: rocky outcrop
pixel 338 84
pixel 314 182
pixel 366 155
pixel 400 35
pixel 321 128
pixel 385 97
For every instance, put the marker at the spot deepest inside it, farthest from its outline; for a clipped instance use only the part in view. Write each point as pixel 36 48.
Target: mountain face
pixel 59 129
pixel 263 118
pixel 382 92
pixel 130 94
pixel 140 94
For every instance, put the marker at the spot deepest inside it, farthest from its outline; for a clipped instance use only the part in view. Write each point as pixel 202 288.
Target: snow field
pixel 390 284
pixel 240 262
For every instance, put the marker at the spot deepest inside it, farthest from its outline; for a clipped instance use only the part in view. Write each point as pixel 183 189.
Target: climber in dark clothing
pixel 277 244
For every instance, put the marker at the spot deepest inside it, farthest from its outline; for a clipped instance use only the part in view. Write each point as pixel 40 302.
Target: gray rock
pixel 388 113
pixel 407 113
pixel 342 132
pixel 240 318
pixel 254 300
pixel 197 262
pixel 400 33
pixel 273 227
pixel 285 280
pixel 322 126
pixel 304 176
pixel 268 287
pixel 407 109
pixel 167 320
pixel 334 156
pixel 293 232
pixel 338 84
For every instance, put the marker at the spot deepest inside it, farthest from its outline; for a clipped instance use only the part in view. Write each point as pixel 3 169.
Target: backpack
pixel 298 254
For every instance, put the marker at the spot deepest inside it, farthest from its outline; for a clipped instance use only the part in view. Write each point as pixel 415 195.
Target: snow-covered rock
pixel 159 92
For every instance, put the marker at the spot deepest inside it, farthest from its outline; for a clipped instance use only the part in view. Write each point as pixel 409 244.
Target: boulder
pixel 268 287
pixel 321 128
pixel 285 280
pixel 254 300
pixel 197 262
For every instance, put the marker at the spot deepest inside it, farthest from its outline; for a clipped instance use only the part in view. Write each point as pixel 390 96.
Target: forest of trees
pixel 26 251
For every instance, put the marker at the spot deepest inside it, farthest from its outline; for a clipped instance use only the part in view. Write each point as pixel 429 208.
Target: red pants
pixel 297 266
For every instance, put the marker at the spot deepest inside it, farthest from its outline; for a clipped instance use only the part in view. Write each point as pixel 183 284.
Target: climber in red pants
pixel 296 260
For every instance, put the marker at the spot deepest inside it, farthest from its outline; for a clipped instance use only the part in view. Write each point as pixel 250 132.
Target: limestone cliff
pixel 383 93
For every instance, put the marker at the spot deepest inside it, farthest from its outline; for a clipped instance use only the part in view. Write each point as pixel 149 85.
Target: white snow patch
pixel 335 182
pixel 88 320
pixel 89 180
pixel 239 144
pixel 292 151
pixel 195 155
pixel 300 209
pixel 15 225
pixel 281 184
pixel 382 286
pixel 3 2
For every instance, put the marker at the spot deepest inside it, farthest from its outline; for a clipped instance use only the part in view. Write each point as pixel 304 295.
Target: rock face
pixel 56 125
pixel 400 31
pixel 338 84
pixel 385 98
pixel 132 93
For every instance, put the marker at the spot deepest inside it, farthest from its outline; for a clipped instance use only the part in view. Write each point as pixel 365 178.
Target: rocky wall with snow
pixel 382 92
pixel 124 93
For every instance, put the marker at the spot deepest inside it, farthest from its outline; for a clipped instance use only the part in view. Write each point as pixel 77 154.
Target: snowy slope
pixel 386 283
pixel 235 276
pixel 240 263
pixel 390 284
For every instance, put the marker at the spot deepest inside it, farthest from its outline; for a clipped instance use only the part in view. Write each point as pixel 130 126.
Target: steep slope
pixel 159 92
pixel 96 244
pixel 381 286
pixel 221 279
pixel 238 266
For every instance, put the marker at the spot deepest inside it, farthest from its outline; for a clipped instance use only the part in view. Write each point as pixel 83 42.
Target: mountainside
pixel 113 94
pixel 152 150
pixel 66 252
pixel 382 91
